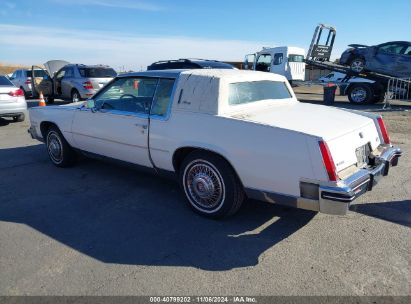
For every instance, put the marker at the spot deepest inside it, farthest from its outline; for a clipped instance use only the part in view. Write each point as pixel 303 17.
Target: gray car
pixel 72 81
pixel 22 79
pixel 391 58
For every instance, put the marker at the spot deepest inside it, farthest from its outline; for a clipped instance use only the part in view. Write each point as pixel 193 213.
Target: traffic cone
pixel 42 103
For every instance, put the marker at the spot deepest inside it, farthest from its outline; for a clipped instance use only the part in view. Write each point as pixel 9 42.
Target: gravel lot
pixel 103 229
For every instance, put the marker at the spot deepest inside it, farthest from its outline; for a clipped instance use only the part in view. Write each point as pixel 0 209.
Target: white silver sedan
pixel 12 101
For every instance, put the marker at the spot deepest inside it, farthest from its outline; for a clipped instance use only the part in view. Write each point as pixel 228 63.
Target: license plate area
pixel 363 154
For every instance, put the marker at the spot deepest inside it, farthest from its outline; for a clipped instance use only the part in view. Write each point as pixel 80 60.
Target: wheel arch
pixel 182 152
pixel 45 125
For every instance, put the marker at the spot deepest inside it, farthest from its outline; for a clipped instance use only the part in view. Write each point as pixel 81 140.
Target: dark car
pixel 189 64
pixel 391 58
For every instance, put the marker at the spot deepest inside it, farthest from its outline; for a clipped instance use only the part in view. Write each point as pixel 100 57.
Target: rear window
pixel 246 92
pixel 295 58
pixel 5 82
pixel 37 73
pixel 97 72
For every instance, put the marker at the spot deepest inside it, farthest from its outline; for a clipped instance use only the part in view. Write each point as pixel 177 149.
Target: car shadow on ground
pixel 119 215
pixel 5 121
pixel 398 212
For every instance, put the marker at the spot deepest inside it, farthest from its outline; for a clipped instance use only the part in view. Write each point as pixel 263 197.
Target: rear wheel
pixel 210 184
pixel 59 151
pixel 49 100
pixel 75 96
pixel 18 118
pixel 360 94
pixel 357 65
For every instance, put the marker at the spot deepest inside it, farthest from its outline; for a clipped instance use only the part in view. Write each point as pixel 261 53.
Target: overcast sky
pixel 134 34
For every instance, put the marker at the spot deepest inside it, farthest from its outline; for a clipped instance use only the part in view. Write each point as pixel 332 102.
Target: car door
pixel 263 63
pixel 57 82
pixel 386 58
pixel 404 62
pixel 117 127
pixel 66 82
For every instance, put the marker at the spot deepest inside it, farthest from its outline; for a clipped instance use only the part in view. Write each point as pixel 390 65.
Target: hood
pixel 320 121
pixel 357 46
pixel 53 66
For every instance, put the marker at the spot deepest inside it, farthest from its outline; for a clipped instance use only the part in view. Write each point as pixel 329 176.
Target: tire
pixel 211 186
pixel 75 96
pixel 357 65
pixel 59 151
pixel 18 118
pixel 49 100
pixel 360 94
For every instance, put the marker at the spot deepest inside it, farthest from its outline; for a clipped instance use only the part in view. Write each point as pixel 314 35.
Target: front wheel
pixel 357 65
pixel 59 151
pixel 210 184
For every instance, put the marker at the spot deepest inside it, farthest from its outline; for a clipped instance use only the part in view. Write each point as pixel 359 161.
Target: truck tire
pixel 357 65
pixel 211 186
pixel 360 93
pixel 58 149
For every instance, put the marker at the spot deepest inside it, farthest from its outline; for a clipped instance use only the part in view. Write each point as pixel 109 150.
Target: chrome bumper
pixel 337 199
pixel 33 133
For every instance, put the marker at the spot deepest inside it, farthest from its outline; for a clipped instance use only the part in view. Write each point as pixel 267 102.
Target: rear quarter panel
pixel 264 157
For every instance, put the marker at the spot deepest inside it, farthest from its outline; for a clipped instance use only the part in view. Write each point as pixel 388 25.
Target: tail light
pixel 88 85
pixel 28 81
pixel 384 131
pixel 16 93
pixel 328 161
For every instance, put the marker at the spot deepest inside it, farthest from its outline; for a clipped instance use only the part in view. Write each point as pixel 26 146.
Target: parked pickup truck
pixel 226 135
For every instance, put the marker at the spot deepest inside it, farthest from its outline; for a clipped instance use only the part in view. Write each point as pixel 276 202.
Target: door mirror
pixel 90 104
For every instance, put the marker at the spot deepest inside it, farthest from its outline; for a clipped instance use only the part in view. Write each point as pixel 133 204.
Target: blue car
pixel 391 58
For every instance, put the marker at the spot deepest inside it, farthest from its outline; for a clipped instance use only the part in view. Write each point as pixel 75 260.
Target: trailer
pixel 377 87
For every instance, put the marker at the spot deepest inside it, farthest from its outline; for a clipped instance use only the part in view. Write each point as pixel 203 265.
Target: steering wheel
pixel 128 95
pixel 139 106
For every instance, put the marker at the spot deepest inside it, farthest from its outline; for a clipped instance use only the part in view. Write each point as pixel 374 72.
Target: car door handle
pixel 144 126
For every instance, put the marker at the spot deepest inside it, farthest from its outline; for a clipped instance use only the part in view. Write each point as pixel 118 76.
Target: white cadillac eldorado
pixel 226 135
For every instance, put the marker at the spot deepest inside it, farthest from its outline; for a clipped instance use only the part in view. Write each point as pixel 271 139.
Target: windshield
pixel 37 73
pixel 5 82
pixel 246 92
pixel 295 58
pixel 97 72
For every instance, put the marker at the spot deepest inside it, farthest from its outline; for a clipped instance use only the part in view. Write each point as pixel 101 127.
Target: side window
pixel 393 48
pixel 61 74
pixel 278 58
pixel 163 97
pixel 132 94
pixel 69 72
pixel 18 74
pixel 407 51
pixel 263 63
